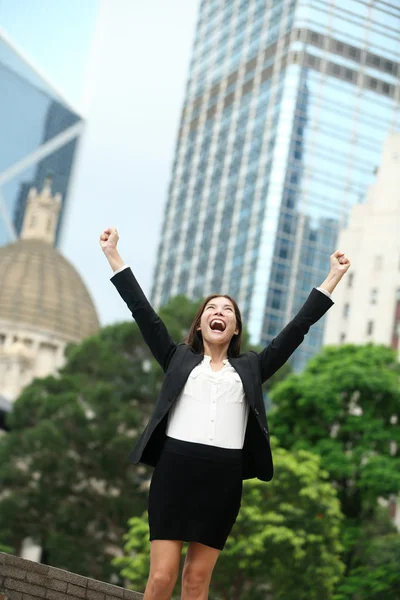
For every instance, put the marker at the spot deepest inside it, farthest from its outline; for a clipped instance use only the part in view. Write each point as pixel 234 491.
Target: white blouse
pixel 211 409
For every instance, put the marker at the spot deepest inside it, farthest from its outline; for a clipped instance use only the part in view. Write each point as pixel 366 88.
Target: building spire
pixel 41 214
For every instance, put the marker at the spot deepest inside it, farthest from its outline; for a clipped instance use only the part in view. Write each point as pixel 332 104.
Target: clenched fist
pixel 109 239
pixel 339 263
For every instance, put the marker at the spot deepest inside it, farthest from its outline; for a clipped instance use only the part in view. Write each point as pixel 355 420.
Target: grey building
pixel 287 106
pixel 39 133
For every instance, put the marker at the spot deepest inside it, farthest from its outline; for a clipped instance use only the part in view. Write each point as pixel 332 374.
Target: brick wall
pixel 22 579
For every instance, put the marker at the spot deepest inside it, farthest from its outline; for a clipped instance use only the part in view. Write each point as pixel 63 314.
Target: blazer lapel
pixel 242 366
pixel 178 375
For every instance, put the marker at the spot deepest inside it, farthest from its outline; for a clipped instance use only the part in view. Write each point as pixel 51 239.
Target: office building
pixel 286 110
pixel 39 133
pixel 369 299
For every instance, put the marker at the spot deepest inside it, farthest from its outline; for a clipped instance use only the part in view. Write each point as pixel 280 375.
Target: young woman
pixel 209 429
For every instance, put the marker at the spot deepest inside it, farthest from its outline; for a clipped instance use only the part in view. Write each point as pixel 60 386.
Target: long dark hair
pixel 195 338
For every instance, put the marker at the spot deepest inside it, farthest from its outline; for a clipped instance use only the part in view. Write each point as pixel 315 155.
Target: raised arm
pixel 153 329
pixel 316 305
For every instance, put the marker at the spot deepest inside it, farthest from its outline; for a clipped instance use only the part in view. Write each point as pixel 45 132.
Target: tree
pixel 378 577
pixel 64 474
pixel 286 538
pixel 64 463
pixel 345 407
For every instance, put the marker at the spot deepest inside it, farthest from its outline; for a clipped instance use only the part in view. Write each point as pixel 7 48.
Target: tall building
pixel 287 106
pixel 369 300
pixel 39 132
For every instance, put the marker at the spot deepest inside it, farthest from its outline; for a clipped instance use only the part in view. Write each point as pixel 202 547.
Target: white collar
pixel 208 359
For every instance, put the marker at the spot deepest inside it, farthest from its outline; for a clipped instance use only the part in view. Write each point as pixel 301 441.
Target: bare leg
pixel 196 576
pixel 165 557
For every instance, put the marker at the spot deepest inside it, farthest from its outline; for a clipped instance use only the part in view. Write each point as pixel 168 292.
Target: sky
pixel 124 64
pixel 56 35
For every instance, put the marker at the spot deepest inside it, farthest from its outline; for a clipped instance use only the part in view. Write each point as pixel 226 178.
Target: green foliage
pixel 345 407
pixel 64 463
pixel 378 578
pixel 135 564
pixel 342 407
pixel 286 538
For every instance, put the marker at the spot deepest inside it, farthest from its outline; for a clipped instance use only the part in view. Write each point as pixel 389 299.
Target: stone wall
pixel 22 579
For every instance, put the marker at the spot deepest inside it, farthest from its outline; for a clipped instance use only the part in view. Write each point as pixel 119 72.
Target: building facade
pixel 369 300
pixel 39 133
pixel 287 106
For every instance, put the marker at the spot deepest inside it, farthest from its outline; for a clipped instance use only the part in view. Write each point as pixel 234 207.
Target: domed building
pixel 44 304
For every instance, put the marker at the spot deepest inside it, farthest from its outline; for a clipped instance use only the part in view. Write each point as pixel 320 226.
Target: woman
pixel 209 429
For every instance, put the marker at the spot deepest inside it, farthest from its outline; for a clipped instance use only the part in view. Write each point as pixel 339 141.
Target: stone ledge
pixel 22 579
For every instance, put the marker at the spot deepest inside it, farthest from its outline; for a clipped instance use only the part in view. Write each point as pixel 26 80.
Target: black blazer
pixel 178 360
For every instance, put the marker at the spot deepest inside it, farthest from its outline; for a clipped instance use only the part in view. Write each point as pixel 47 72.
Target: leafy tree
pixel 345 407
pixel 378 577
pixel 64 473
pixel 285 539
pixel 64 463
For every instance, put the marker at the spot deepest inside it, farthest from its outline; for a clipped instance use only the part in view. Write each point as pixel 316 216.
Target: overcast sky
pixel 132 94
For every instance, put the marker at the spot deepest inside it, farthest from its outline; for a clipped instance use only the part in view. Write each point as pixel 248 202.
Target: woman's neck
pixel 217 353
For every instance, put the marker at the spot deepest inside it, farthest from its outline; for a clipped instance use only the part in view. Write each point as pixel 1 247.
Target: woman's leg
pixel 165 557
pixel 196 576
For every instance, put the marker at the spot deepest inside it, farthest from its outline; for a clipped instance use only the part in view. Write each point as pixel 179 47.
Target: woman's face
pixel 218 321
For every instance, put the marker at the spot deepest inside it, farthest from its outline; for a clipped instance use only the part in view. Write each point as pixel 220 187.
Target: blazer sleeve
pixel 152 328
pixel 283 346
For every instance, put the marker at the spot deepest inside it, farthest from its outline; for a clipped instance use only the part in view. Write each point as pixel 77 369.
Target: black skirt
pixel 195 493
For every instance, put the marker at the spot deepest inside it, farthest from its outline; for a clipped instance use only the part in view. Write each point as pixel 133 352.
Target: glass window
pixel 31 114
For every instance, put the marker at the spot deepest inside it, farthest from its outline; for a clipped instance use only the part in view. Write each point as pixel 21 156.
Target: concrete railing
pixel 22 579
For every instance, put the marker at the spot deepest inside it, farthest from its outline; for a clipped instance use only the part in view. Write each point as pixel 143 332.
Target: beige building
pixel 44 303
pixel 368 302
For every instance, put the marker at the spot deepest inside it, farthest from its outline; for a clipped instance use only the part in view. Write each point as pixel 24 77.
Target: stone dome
pixel 41 289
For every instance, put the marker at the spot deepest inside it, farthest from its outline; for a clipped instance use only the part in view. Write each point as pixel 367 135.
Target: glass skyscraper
pixel 39 133
pixel 287 106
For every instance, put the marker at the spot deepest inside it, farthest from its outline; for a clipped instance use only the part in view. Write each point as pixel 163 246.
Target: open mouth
pixel 217 325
